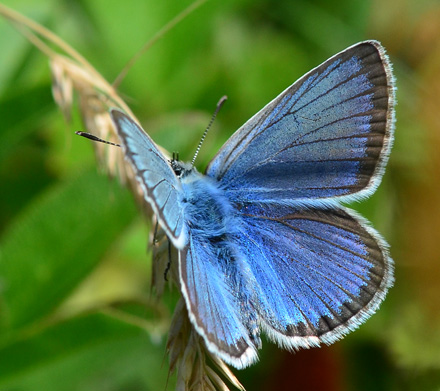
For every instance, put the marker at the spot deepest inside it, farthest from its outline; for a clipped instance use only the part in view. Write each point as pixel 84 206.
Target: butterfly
pixel 264 242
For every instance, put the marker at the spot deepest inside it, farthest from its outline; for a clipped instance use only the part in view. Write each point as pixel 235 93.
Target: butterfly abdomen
pixel 214 225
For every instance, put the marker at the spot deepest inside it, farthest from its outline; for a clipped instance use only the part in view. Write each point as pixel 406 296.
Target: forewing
pixel 326 136
pixel 320 272
pixel 217 302
pixel 160 185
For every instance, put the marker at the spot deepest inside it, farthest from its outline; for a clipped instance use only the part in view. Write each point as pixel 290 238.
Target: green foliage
pixel 88 352
pixel 57 241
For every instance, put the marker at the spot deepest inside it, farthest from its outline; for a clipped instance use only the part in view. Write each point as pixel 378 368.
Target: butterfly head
pixel 181 169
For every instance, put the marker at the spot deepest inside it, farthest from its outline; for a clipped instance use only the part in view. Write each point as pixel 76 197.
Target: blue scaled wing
pixel 325 138
pixel 218 300
pixel 319 273
pixel 160 185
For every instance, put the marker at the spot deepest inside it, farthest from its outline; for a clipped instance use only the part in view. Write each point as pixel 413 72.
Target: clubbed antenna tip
pixel 95 138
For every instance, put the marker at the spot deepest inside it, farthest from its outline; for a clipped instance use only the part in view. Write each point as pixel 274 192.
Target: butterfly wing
pixel 160 185
pixel 327 137
pixel 218 301
pixel 320 272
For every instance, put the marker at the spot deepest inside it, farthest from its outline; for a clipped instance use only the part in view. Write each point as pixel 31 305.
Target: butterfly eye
pixel 176 165
pixel 181 169
pixel 177 168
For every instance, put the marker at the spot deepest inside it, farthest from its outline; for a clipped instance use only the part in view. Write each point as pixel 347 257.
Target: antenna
pixel 95 138
pixel 217 109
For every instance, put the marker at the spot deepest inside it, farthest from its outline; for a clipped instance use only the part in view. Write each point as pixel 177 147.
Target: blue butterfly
pixel 264 242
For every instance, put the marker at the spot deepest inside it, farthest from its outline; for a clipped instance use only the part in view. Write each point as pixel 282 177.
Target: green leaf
pixel 93 352
pixel 19 112
pixel 56 242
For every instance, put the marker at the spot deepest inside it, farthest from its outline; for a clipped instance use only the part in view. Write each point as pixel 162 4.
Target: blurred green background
pixel 72 241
